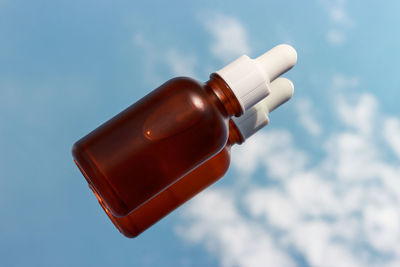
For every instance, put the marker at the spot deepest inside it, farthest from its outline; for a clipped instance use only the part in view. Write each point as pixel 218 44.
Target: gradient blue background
pixel 66 67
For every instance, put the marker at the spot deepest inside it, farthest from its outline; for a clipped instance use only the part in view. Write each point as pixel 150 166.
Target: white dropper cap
pixel 249 78
pixel 257 117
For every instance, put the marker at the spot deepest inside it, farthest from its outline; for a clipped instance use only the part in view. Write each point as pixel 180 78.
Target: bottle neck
pixel 225 96
pixel 235 137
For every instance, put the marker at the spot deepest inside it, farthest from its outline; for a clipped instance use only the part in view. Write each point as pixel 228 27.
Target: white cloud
pixel 381 223
pixel 338 13
pixel 177 62
pixel 229 41
pixel 340 82
pixel 307 118
pixel 339 18
pixel 358 114
pixel 274 150
pixel 269 204
pixel 391 132
pixel 344 210
pixel 151 60
pixel 335 37
pixel 230 36
pixel 230 236
pixel 181 65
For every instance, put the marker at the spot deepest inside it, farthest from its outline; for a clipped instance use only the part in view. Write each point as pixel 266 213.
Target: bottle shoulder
pixel 190 84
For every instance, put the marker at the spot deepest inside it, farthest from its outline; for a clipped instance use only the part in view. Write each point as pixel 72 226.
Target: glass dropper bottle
pixel 209 172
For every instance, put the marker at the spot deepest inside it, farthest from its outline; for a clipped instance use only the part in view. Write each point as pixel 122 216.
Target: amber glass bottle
pixel 154 142
pixel 207 173
pixel 145 148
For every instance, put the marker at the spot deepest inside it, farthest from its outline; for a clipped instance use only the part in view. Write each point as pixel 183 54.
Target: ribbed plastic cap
pixel 249 78
pixel 257 117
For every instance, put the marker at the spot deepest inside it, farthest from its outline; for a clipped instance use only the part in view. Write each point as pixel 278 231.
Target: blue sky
pixel 320 186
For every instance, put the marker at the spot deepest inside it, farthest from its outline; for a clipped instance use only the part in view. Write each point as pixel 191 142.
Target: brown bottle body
pixel 154 142
pixel 178 193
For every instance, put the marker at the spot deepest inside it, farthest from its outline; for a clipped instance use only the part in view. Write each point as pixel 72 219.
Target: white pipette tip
pixel 282 90
pixel 278 60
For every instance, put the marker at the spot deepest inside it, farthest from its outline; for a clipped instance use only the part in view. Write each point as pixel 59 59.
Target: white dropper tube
pixel 249 78
pixel 257 117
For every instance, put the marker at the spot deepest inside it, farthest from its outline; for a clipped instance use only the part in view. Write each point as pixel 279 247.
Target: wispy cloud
pixel 181 65
pixel 340 82
pixel 306 114
pixel 358 113
pixel 335 37
pixel 337 11
pixel 152 58
pixel 230 38
pixel 341 211
pixel 340 20
pixel 177 62
pixel 272 152
pixel 391 132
